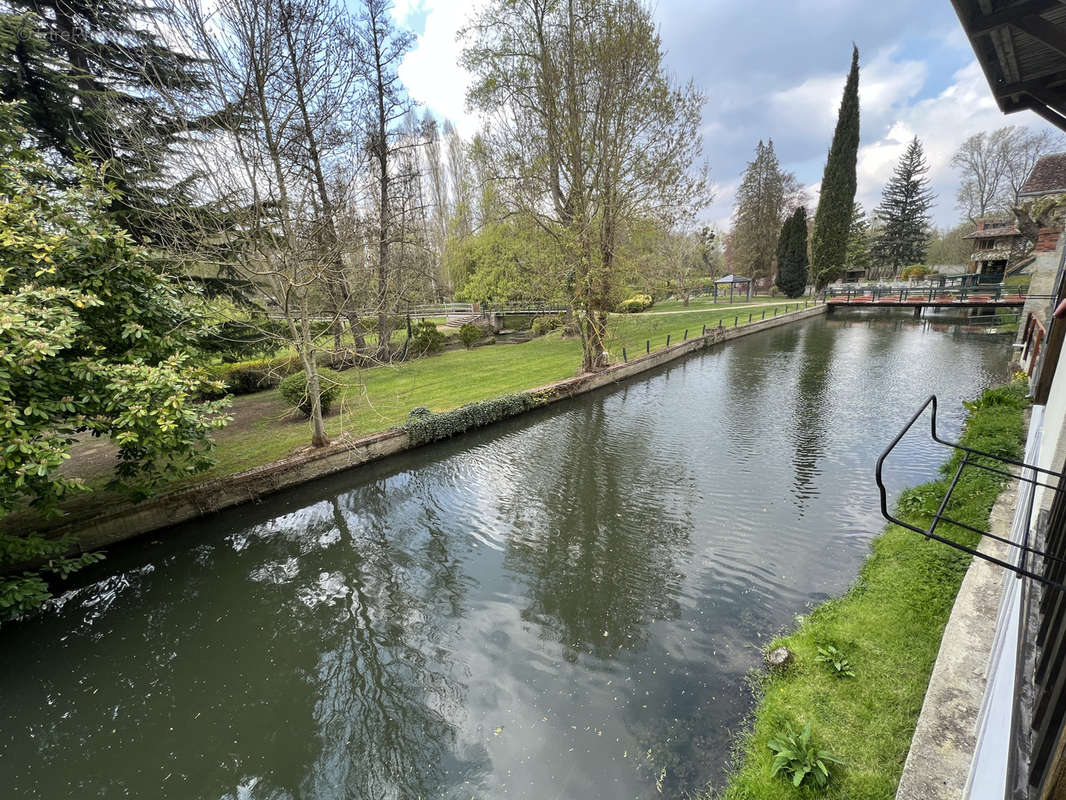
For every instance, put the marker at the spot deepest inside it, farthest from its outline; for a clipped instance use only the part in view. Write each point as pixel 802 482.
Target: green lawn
pixel 888 626
pixel 375 399
pixel 707 301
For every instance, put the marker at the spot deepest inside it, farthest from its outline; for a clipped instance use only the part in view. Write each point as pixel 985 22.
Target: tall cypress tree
pixel 832 220
pixel 792 254
pixel 91 75
pixel 904 212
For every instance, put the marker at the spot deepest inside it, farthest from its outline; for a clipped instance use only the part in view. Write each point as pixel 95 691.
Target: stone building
pixel 995 243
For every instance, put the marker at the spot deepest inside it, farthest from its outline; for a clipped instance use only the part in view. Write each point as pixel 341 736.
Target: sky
pixel 776 70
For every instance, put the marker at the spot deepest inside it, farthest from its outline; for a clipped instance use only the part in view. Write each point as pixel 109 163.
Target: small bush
pixel 469 334
pixel 294 390
pixel 546 324
pixel 916 272
pixel 425 338
pixel 798 759
pixel 423 426
pixel 836 660
pixel 255 375
pixel 635 304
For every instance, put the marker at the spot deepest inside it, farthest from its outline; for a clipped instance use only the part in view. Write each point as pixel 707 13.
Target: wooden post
pixel 685 339
pixel 667 340
pixel 624 356
pixel 647 345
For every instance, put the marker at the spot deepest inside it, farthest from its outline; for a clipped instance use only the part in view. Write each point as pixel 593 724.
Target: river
pixel 562 606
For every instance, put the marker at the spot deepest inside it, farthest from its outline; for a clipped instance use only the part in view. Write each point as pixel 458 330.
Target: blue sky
pixel 776 70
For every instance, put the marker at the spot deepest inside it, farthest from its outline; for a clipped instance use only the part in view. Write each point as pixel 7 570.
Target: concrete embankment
pixel 308 464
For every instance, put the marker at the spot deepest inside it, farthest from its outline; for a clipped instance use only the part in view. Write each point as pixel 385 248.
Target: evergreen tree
pixel 858 252
pixel 792 254
pixel 904 213
pixel 759 209
pixel 832 220
pixel 92 76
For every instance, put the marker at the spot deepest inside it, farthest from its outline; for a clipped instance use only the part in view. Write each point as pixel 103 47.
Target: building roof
pixel 1048 176
pixel 733 279
pixel 1021 46
pixel 991 233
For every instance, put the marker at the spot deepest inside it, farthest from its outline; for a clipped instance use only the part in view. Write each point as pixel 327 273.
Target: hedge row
pixel 423 426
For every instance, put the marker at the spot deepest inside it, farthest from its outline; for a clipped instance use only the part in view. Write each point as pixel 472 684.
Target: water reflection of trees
pixel 600 553
pixel 811 411
pixel 387 698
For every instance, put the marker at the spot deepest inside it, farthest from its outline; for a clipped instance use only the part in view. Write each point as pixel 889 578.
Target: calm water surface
pixel 560 607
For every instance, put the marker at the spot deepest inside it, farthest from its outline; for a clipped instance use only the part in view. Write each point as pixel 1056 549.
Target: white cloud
pixel 942 123
pixel 431 70
pixel 883 85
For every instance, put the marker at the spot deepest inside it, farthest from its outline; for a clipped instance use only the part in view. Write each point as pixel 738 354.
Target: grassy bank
pixel 888 626
pixel 375 399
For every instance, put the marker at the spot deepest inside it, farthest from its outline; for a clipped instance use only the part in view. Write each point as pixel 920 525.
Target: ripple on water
pixel 559 606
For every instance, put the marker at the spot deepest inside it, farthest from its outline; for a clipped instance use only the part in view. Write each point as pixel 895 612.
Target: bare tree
pixel 994 165
pixel 282 75
pixel 460 183
pixel 587 133
pixel 437 228
pixel 379 47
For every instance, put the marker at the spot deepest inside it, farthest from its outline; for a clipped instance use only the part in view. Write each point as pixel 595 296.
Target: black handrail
pixel 969 460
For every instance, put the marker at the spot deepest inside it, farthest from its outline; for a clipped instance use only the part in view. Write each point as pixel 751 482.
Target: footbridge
pixel 918 298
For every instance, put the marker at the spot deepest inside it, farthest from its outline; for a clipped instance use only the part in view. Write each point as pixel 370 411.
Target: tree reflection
pixel 600 552
pixel 810 411
pixel 387 699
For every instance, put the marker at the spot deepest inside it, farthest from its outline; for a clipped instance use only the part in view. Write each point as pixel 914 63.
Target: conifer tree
pixel 832 220
pixel 792 254
pixel 904 212
pixel 92 75
pixel 858 252
pixel 757 217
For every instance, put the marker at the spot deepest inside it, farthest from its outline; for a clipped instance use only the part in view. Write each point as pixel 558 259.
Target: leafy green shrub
pixel 836 660
pixel 916 272
pixel 469 334
pixel 294 390
pixel 798 759
pixel 546 324
pixel 255 375
pixel 425 338
pixel 636 304
pixel 423 426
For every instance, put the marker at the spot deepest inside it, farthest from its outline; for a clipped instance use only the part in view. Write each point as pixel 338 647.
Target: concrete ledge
pixel 938 762
pixel 308 463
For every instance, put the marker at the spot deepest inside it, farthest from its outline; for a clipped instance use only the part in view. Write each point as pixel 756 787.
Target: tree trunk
pixel 314 391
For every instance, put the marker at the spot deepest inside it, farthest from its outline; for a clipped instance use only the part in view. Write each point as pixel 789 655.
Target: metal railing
pixel 777 310
pixel 980 460
pixel 972 295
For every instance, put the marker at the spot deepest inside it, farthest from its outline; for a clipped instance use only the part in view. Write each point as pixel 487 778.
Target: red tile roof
pixel 1048 176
